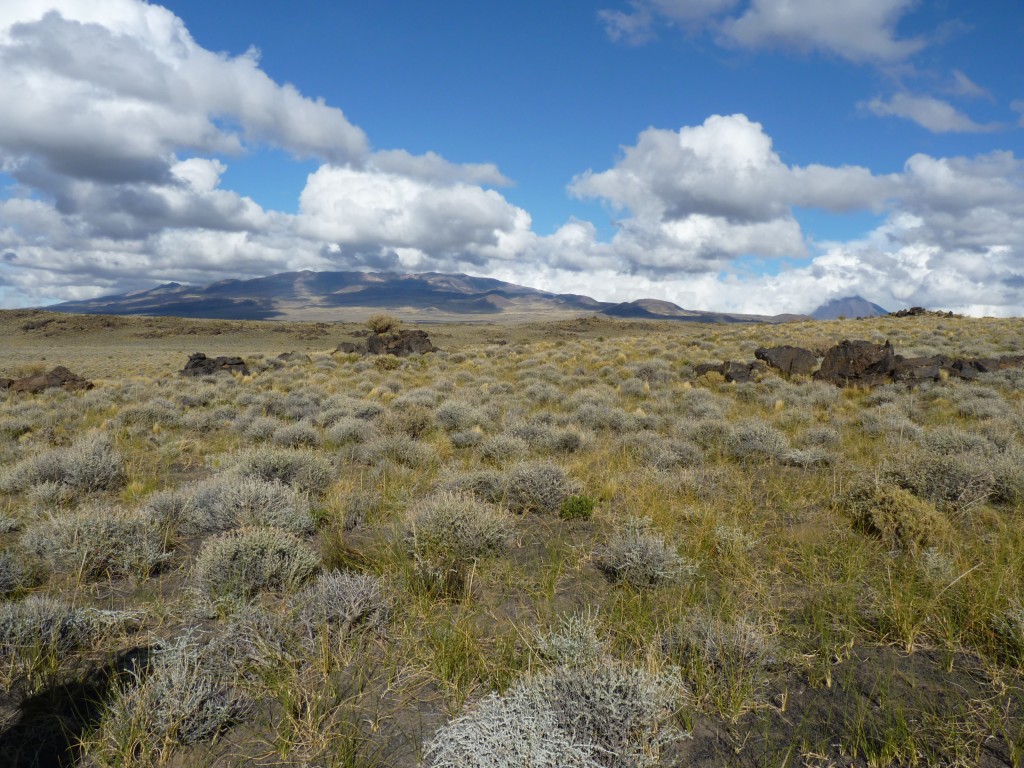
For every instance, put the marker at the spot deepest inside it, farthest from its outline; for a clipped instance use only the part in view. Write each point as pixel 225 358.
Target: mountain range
pixel 326 296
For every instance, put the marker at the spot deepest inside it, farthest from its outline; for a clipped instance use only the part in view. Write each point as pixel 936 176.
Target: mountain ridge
pixel 428 296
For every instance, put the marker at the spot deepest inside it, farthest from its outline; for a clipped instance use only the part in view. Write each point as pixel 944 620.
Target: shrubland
pixel 550 544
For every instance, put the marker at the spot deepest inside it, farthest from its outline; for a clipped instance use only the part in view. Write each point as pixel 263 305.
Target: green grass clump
pixel 240 564
pixel 895 516
pixel 577 508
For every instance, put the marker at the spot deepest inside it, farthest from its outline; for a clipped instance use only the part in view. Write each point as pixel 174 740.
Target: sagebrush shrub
pixel 182 697
pixel 604 717
pixel 453 415
pixel 242 563
pixel 95 544
pixel 90 464
pixel 574 642
pixel 228 501
pixel 537 487
pixel 756 439
pixel 350 430
pixel 304 470
pixel 503 448
pixel 12 573
pixel 451 527
pixel 342 602
pixel 300 435
pixel 38 632
pixel 955 483
pixel 639 557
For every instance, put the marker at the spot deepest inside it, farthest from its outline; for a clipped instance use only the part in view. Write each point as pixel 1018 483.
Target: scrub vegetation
pixel 548 544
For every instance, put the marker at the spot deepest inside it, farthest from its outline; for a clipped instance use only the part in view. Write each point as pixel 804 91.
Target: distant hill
pixel 850 306
pixel 326 296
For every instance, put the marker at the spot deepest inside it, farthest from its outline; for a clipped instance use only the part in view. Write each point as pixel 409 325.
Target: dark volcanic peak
pixel 849 306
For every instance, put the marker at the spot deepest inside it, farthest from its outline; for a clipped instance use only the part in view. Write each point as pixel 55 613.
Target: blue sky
pixel 749 155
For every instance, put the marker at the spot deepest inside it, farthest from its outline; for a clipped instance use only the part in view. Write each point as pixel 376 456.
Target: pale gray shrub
pixel 466 438
pixel 90 464
pixel 891 421
pixel 302 469
pixel 537 487
pixel 98 544
pixel 350 430
pixel 486 485
pixel 50 495
pixel 503 448
pixel 702 404
pixel 824 437
pixel 182 698
pixel 299 435
pixel 202 421
pixel 602 417
pixel 453 527
pixel 12 573
pixel 453 415
pixel 361 506
pixel 242 563
pixel 398 448
pixel 228 501
pixel 949 440
pixel 709 434
pixel 607 716
pixel 262 428
pixel 574 642
pixel 634 388
pixel 342 602
pixel 640 557
pixel 41 625
pixel 812 456
pixel 154 411
pixel 543 393
pixel 756 440
pixel 653 370
pixel 955 484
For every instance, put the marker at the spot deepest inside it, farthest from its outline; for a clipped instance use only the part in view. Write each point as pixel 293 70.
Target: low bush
pixel 537 487
pixel 604 717
pixel 240 564
pixel 450 527
pixel 639 557
pixel 182 697
pixel 90 464
pixel 229 501
pixel 342 602
pixel 756 440
pixel 96 544
pixel 301 469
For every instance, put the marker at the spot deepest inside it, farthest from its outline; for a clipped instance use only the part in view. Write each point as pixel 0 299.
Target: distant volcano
pixel 851 306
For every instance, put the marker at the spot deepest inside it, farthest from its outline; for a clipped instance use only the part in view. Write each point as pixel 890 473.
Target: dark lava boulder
pixel 740 373
pixel 861 363
pixel 59 377
pixel 789 360
pixel 400 343
pixel 201 365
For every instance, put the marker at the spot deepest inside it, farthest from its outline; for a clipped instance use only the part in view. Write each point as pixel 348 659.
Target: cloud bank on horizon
pixel 119 130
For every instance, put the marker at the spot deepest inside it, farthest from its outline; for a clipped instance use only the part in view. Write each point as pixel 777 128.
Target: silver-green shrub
pixel 588 717
pixel 537 487
pixel 41 626
pixel 229 501
pixel 451 527
pixel 639 557
pixel 96 544
pixel 301 469
pixel 242 563
pixel 90 464
pixel 342 602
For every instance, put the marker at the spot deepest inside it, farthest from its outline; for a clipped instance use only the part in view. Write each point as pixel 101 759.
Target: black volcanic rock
pixel 200 365
pixel 857 362
pixel 59 377
pixel 850 306
pixel 789 360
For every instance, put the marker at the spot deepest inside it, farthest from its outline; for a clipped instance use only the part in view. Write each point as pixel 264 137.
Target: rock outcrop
pixel 733 371
pixel 788 360
pixel 400 343
pixel 60 377
pixel 201 365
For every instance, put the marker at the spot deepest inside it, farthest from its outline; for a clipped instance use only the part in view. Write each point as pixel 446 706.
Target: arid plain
pixel 549 544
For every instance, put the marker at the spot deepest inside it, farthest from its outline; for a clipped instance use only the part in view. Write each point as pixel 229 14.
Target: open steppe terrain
pixel 546 544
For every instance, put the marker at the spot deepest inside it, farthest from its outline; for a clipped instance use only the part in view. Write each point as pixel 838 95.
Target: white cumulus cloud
pixel 933 114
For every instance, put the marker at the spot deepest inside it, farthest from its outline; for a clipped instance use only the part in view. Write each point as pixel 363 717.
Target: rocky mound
pixel 59 377
pixel 400 343
pixel 921 312
pixel 787 359
pixel 201 365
